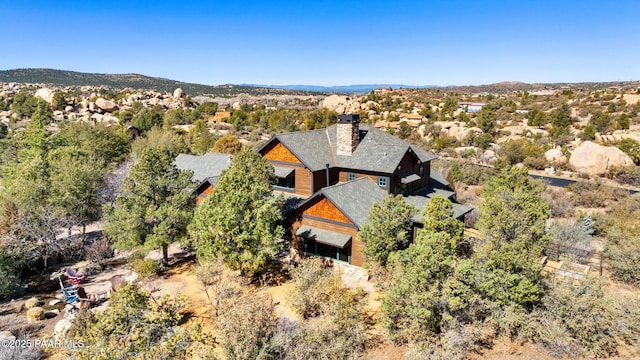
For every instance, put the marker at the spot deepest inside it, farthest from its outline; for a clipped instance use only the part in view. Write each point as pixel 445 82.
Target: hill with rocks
pixel 66 78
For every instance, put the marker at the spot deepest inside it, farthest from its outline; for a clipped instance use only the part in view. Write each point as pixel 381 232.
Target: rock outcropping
pixel 44 94
pixel 593 159
pixel 555 157
pixel 106 105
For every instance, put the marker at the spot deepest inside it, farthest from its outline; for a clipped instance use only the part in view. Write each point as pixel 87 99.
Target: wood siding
pixel 303 181
pixel 408 163
pixel 202 195
pixel 373 176
pixel 279 152
pixel 320 179
pixel 357 247
pixel 278 155
pixel 328 217
pixel 326 210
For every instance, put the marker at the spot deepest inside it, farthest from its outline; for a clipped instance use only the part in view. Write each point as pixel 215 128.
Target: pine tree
pixel 388 230
pixel 155 205
pixel 240 219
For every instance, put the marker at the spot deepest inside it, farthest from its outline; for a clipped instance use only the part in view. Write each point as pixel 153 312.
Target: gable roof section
pixel 205 167
pixel 354 198
pixel 377 151
pixel 310 147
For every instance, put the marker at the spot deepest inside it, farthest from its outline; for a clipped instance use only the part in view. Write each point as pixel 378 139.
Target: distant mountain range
pixel 66 78
pixel 361 88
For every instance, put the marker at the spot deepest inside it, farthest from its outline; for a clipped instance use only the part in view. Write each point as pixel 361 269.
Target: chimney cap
pixel 348 118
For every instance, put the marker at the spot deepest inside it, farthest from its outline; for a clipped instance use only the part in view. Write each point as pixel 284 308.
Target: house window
pixel 351 176
pixel 383 182
pixel 327 251
pixel 286 183
pixel 421 170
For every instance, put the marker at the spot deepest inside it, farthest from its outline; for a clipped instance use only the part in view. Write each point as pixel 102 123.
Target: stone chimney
pixel 348 133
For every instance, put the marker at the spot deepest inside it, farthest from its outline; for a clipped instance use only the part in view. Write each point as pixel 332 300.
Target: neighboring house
pixel 206 171
pixel 382 90
pixel 413 120
pixel 386 125
pixel 543 92
pixel 308 161
pixel 471 106
pixel 220 116
pixel 327 223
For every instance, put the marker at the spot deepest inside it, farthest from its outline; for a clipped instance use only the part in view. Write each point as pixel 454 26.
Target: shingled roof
pixel 377 151
pixel 205 167
pixel 421 202
pixel 354 198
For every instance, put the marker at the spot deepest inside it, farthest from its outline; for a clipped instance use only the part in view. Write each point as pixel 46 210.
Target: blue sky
pixel 447 42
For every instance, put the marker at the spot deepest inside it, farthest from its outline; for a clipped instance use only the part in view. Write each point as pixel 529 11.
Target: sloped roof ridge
pixel 345 183
pixel 300 132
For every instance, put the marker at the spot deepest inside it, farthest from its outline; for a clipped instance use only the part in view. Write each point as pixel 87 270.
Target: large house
pixel 339 173
pixel 308 161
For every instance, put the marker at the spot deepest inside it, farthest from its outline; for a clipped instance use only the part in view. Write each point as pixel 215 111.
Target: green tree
pixel 588 133
pixel 155 204
pixel 239 120
pixel 450 105
pixel 25 105
pixel 537 118
pixel 205 110
pixel 9 280
pixel 512 219
pixel 35 135
pixel 414 304
pixel 137 326
pixel 58 101
pixel 31 194
pixel 160 139
pixel 389 228
pixel 76 180
pixel 410 306
pixel 561 117
pixel 439 216
pixel 404 130
pixel 631 147
pixel 487 120
pixel 228 144
pixel 560 121
pixel 147 119
pixel 247 327
pixel 623 241
pixel 517 150
pixel 201 138
pixel 602 122
pixel 240 219
pixel 104 144
pixel 178 116
pixel 623 122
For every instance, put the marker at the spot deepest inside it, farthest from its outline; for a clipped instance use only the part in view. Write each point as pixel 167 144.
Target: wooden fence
pixel 592 258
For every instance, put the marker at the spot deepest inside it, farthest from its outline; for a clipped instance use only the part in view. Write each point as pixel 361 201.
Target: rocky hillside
pixel 136 81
